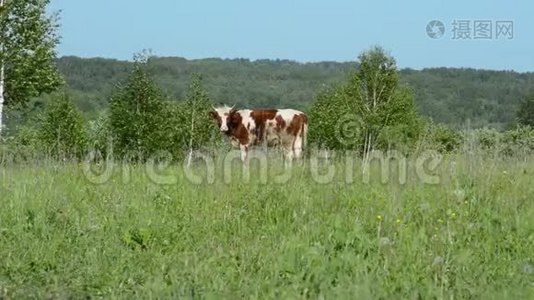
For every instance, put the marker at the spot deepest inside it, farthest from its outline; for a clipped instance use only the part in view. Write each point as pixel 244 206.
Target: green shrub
pixel 62 129
pixel 99 134
pixel 23 145
pixel 441 138
pixel 448 139
pixel 143 122
pixel 371 110
pixel 512 142
pixel 189 126
pixel 518 141
pixel 138 116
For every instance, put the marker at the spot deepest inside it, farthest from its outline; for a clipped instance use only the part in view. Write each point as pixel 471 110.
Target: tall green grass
pixel 469 236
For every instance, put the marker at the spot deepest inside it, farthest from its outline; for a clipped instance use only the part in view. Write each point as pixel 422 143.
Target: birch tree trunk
pixel 190 156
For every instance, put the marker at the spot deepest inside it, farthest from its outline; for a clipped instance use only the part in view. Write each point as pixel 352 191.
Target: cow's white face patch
pixel 223 113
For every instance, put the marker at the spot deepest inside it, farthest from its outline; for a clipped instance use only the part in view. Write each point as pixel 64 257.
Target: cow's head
pixel 222 115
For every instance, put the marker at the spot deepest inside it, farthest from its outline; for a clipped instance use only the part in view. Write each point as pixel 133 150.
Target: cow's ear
pixel 213 114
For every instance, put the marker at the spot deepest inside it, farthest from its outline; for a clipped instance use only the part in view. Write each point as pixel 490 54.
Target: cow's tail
pixel 305 132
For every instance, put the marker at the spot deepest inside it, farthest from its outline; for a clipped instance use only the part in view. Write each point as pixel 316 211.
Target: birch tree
pixel 195 110
pixel 137 114
pixel 27 52
pixel 367 110
pixel 62 130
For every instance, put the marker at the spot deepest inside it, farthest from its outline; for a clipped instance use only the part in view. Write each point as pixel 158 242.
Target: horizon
pixel 486 35
pixel 131 60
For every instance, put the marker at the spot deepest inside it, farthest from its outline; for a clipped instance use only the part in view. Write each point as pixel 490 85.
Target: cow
pixel 287 128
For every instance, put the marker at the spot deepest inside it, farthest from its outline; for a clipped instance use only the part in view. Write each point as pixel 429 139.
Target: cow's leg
pixel 244 153
pixel 297 147
pixel 288 161
pixel 288 153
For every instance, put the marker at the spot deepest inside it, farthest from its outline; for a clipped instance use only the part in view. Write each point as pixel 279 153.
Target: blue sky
pixel 301 30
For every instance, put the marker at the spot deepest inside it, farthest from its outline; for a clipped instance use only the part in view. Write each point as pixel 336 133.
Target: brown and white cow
pixel 249 127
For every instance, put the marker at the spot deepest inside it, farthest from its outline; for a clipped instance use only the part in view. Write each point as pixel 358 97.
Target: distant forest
pixel 447 95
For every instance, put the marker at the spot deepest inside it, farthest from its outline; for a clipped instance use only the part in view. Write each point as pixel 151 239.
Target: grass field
pixel 469 236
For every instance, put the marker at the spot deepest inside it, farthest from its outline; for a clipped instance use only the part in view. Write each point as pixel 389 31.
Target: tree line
pixel 447 95
pixel 370 109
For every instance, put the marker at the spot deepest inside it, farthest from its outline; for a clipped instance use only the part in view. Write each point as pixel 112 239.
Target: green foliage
pixel 62 131
pixel 28 38
pixel 403 124
pixel 197 125
pixel 485 138
pixel 441 138
pixel 447 95
pixel 24 146
pixel 189 126
pixel 382 102
pixel 518 142
pixel 143 122
pixel 328 127
pixel 138 116
pixel 99 134
pixel 245 83
pixel 370 111
pixel 454 96
pixel 27 136
pixel 525 113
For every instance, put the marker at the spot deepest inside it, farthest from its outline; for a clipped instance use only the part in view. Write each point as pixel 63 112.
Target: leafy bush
pixel 24 145
pixel 516 141
pixel 62 130
pixel 26 136
pixel 138 116
pixel 485 138
pixel 192 128
pixel 99 134
pixel 142 121
pixel 440 137
pixel 326 123
pixel 372 110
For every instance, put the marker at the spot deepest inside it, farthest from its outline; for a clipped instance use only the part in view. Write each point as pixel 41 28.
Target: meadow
pixel 470 234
